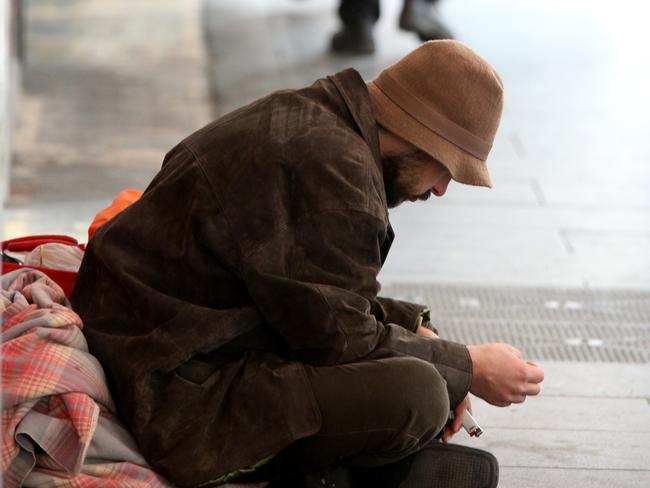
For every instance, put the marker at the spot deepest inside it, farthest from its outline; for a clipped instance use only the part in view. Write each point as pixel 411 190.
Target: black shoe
pixel 422 17
pixel 332 477
pixel 354 39
pixel 437 465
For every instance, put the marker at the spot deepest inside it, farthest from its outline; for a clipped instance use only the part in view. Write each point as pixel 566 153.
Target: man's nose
pixel 440 188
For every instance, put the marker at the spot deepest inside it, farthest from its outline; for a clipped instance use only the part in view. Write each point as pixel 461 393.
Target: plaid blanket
pixel 58 423
pixel 58 419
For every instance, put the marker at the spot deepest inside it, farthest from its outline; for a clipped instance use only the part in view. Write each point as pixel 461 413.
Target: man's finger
pixel 457 423
pixel 447 434
pixel 520 398
pixel 534 374
pixel 500 403
pixel 533 389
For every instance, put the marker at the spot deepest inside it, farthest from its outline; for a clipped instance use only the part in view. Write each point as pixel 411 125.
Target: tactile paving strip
pixel 545 323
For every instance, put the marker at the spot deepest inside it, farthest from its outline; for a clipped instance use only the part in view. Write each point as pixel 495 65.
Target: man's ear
pixel 390 144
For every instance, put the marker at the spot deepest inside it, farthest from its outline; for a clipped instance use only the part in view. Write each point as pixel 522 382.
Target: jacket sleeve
pixel 408 315
pixel 314 281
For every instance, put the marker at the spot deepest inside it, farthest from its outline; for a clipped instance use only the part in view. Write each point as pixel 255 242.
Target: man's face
pixel 411 174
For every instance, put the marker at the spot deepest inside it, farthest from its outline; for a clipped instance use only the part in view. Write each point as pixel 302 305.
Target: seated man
pixel 235 309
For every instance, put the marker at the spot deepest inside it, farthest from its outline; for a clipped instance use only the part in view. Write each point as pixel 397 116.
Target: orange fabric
pixel 122 201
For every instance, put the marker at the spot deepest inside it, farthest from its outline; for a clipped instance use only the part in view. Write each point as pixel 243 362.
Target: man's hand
pixel 424 332
pixel 501 376
pixel 457 423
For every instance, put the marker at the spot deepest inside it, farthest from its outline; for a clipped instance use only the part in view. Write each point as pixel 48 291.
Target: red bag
pixel 65 279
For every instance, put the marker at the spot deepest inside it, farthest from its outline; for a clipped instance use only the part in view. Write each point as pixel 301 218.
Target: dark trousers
pixel 374 413
pixel 352 11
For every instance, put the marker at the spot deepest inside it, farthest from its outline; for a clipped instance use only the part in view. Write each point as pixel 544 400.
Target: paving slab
pixel 567 449
pixel 536 477
pixel 596 380
pixel 602 416
pixel 109 88
pixel 465 214
pixel 106 85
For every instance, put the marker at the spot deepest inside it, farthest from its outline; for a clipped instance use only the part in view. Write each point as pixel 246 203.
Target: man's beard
pixel 400 177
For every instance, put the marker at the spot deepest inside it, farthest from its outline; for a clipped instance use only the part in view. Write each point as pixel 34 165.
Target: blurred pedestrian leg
pixel 358 18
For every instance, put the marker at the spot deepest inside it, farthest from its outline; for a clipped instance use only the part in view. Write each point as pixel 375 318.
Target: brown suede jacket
pixel 254 250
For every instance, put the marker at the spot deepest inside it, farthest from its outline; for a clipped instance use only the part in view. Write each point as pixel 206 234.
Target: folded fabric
pixel 55 256
pixel 58 421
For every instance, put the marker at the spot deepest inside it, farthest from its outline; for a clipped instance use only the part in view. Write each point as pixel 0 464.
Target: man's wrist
pixel 424 332
pixel 424 320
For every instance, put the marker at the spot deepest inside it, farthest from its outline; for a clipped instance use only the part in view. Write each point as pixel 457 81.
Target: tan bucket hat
pixel 446 100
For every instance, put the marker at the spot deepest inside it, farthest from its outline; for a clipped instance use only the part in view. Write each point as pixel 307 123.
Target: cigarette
pixel 470 425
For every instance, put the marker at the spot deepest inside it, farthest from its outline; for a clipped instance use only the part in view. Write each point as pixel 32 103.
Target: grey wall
pixel 5 76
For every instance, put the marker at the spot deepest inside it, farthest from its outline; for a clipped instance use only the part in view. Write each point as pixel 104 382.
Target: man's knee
pixel 403 393
pixel 424 392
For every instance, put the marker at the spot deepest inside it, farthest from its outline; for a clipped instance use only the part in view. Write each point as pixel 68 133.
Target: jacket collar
pixel 355 94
